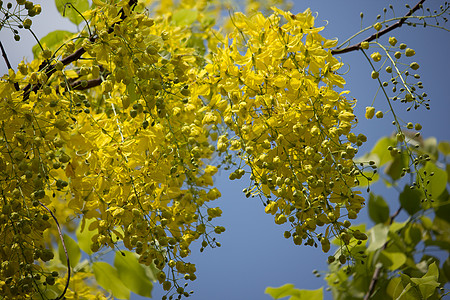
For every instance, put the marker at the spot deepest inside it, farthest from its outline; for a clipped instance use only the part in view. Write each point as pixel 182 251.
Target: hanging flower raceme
pixel 291 126
pixel 127 155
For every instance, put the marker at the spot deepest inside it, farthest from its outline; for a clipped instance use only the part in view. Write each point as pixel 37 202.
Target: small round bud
pixel 370 112
pixel 365 45
pixel 392 41
pixel 410 52
pixel 377 26
pixel 414 65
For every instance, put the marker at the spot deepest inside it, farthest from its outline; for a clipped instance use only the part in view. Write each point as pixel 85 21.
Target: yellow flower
pixel 392 41
pixel 376 56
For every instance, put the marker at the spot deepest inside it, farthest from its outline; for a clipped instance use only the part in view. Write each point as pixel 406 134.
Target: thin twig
pixel 65 251
pixel 376 273
pixel 8 64
pixel 380 33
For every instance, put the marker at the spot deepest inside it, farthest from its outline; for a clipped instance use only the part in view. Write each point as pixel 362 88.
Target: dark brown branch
pixel 72 57
pixel 8 64
pixel 374 36
pixel 376 273
pixel 78 85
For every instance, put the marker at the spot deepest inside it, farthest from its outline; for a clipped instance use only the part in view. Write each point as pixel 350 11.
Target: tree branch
pixel 376 273
pixel 8 64
pixel 380 33
pixel 78 85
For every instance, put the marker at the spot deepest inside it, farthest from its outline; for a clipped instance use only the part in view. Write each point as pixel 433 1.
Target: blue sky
pixel 254 253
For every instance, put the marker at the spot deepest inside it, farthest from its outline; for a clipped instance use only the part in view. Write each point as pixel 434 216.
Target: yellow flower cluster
pixel 291 126
pixel 125 138
pixel 128 153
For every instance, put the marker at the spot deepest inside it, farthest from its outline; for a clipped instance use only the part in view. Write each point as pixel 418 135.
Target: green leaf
pixel 363 178
pixel 184 17
pixel 73 251
pixel 444 147
pixel 430 146
pixel 408 293
pixel 394 286
pixel 198 43
pixel 429 282
pixel 107 277
pixel 131 91
pixel 392 258
pixel 296 294
pixel 442 209
pixel 378 209
pixel 69 12
pixel 446 268
pixel 380 149
pixel 447 168
pixel 280 292
pixel 395 168
pixel 410 200
pixel 51 41
pixel 400 288
pixel 377 236
pixel 85 236
pixel 413 234
pixel 435 179
pixel 133 274
pixel 309 294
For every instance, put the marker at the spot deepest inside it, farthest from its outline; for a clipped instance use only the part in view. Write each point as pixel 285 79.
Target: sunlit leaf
pixel 377 236
pixel 434 179
pixel 444 147
pixel 380 149
pixel 69 12
pixel 392 259
pixel 51 41
pixel 429 282
pixel 108 278
pixel 430 146
pixel 133 274
pixel 73 251
pixel 367 178
pixel 84 236
pixel 184 17
pixel 295 294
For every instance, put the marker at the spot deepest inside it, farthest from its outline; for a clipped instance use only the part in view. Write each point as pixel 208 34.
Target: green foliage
pixel 184 17
pixel 108 278
pixel 288 290
pixel 84 235
pixel 138 278
pixel 51 41
pixel 73 251
pixel 72 9
pixel 410 199
pixel 434 179
pixel 378 209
